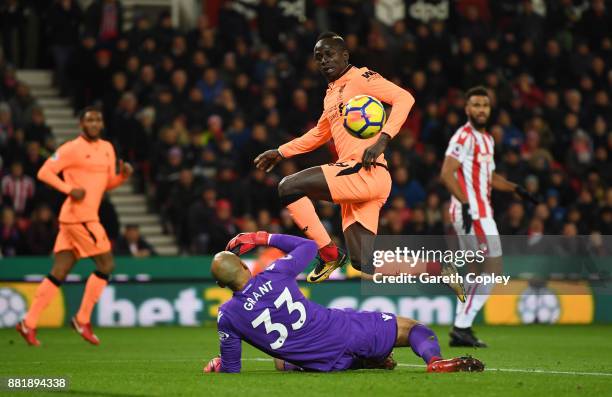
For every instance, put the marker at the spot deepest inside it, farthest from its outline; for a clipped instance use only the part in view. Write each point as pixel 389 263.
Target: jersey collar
pixel 346 75
pixel 471 127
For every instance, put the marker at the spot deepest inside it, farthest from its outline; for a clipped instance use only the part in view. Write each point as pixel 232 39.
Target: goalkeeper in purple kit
pixel 269 312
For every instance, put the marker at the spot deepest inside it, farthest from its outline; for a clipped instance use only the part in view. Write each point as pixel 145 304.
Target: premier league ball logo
pixel 12 307
pixel 539 305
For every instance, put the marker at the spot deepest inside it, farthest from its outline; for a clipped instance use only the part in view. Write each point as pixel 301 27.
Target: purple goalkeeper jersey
pixel 271 314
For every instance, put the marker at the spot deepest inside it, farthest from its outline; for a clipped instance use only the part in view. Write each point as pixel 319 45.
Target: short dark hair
pixel 83 112
pixel 335 37
pixel 476 91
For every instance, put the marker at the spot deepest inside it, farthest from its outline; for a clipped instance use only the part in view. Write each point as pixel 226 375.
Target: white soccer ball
pixel 12 307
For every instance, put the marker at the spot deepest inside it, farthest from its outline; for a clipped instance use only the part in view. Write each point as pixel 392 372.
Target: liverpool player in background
pixel 270 312
pixel 469 174
pixel 88 167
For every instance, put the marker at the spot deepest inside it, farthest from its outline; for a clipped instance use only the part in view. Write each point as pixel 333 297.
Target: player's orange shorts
pixel 84 239
pixel 360 193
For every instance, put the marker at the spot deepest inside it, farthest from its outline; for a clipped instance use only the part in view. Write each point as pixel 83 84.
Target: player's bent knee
pixel 286 186
pixel 288 191
pixel 404 325
pixel 105 263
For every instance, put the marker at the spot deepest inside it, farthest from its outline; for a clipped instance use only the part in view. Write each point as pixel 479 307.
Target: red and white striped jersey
pixel 18 190
pixel 474 150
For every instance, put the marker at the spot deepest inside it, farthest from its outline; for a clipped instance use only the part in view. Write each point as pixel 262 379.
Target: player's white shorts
pixel 483 236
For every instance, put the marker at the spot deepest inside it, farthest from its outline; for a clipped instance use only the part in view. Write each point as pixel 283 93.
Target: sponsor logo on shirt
pixel 484 158
pixel 223 336
pixel 369 74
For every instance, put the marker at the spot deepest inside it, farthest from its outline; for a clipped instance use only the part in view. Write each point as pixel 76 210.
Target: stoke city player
pixel 469 174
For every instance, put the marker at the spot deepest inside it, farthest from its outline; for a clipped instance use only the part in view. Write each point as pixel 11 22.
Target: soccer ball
pixel 364 116
pixel 12 307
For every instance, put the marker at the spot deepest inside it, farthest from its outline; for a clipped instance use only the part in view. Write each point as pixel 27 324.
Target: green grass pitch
pixel 167 361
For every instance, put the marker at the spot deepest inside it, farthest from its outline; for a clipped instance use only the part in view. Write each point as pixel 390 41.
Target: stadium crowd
pixel 192 109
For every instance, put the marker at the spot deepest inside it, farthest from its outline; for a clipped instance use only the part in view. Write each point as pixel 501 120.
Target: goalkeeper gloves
pixel 245 242
pixel 213 365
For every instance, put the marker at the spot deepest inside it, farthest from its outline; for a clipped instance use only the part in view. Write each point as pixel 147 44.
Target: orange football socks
pixel 45 293
pixel 93 289
pixel 304 215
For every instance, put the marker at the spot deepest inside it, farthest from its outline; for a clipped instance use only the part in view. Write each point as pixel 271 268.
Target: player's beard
pixel 476 124
pixel 89 136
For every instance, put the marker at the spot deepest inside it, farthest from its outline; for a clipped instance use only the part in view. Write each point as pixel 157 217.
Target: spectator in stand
pixel 175 209
pixel 13 31
pixel 222 226
pixel 22 105
pixel 18 190
pixel 33 160
pixel 198 220
pixel 131 243
pixel 37 130
pixel 62 29
pixel 104 20
pixel 42 231
pixel 10 236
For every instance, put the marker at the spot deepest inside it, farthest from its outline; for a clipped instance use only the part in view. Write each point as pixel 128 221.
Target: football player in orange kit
pixel 88 167
pixel 359 181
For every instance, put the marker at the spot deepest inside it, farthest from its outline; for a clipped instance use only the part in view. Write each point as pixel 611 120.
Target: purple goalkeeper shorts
pixel 372 336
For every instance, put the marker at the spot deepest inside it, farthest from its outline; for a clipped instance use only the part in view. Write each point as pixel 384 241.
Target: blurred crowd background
pixel 191 109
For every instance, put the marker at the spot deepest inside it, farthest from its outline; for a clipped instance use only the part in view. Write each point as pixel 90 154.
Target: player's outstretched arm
pixel 500 183
pixel 317 136
pixel 299 250
pixel 311 140
pixel 229 346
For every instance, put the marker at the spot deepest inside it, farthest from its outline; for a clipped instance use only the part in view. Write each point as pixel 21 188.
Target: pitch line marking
pixel 526 371
pixel 181 360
